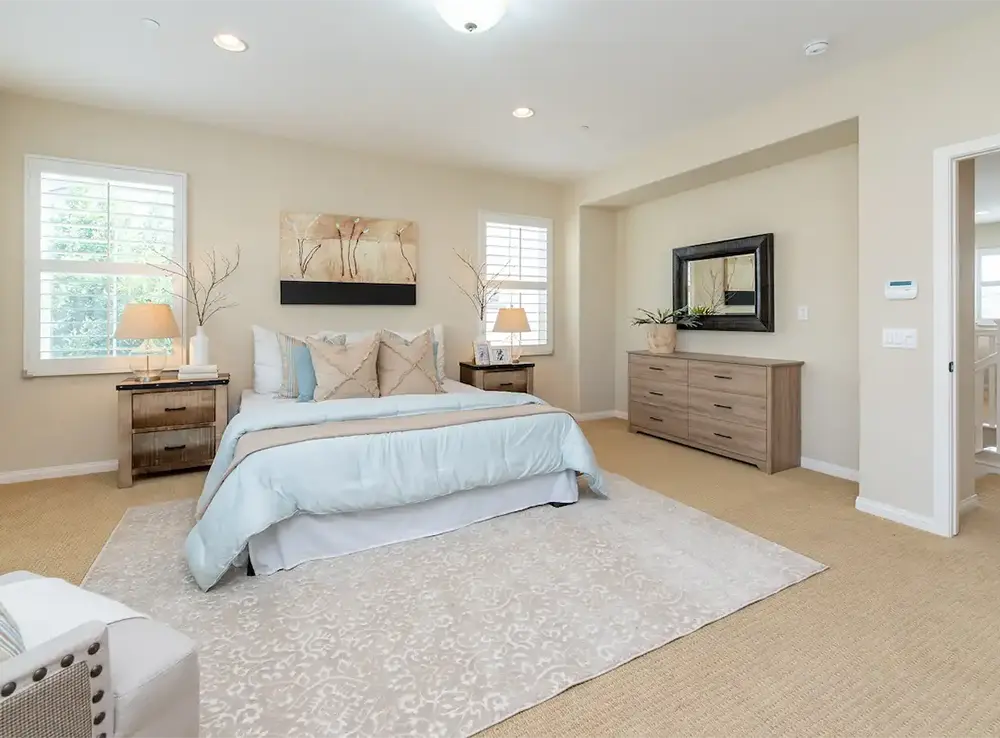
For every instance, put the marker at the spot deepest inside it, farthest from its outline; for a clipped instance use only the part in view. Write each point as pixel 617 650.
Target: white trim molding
pixel 969 504
pixel 55 472
pixel 602 415
pixel 899 515
pixel 833 470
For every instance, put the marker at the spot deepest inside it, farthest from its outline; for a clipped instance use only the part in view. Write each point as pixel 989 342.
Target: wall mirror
pixel 733 281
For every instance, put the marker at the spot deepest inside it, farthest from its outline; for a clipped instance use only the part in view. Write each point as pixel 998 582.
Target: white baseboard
pixel 969 504
pixel 54 472
pixel 601 415
pixel 899 515
pixel 830 469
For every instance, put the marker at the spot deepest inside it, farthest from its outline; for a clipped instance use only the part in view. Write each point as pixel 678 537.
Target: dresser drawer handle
pixel 175 409
pixel 720 376
pixel 175 448
pixel 722 436
pixel 506 384
pixel 656 368
pixel 724 407
pixel 658 420
pixel 656 394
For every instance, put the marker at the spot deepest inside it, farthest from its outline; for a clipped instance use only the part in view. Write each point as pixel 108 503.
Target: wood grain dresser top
pixel 720 358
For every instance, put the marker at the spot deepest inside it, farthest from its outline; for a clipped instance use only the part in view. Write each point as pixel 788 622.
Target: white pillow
pixel 267 354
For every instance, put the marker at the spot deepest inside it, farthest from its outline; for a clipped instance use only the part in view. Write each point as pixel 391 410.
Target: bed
pixel 305 537
pixel 296 480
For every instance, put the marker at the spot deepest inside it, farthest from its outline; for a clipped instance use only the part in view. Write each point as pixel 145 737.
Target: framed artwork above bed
pixel 328 259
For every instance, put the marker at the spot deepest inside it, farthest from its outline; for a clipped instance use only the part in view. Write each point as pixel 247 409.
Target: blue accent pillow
pixel 305 374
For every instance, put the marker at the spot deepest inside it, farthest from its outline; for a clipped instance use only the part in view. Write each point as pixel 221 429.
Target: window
pixel 93 235
pixel 519 251
pixel 988 284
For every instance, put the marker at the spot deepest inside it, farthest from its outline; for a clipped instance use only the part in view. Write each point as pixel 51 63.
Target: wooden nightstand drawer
pixel 512 381
pixel 168 409
pixel 167 450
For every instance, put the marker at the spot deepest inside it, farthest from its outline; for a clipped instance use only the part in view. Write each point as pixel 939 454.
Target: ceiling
pixel 988 189
pixel 390 76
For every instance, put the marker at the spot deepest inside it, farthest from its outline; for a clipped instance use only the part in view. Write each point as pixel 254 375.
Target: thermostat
pixel 900 289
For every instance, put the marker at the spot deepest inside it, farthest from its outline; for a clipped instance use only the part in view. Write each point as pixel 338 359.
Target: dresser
pixel 742 407
pixel 169 424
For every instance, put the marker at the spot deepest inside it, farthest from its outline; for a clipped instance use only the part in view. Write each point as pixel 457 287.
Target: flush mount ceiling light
pixel 229 42
pixel 523 112
pixel 815 48
pixel 471 16
pixel 149 23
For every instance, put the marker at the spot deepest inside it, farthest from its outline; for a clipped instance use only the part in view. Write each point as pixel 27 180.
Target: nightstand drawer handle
pixel 656 394
pixel 656 368
pixel 175 409
pixel 724 407
pixel 719 376
pixel 175 448
pixel 658 420
pixel 506 384
pixel 722 436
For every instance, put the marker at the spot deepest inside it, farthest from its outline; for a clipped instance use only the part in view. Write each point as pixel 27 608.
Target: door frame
pixel 945 266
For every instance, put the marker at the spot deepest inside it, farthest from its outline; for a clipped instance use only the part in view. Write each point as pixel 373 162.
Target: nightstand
pixel 169 424
pixel 499 377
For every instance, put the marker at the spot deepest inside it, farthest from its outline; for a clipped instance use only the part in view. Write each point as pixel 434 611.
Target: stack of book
pixel 190 371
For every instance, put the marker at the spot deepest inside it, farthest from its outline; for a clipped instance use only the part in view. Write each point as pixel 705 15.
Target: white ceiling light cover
pixel 471 16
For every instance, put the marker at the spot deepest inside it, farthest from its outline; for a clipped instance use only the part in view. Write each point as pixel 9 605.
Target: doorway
pixel 966 348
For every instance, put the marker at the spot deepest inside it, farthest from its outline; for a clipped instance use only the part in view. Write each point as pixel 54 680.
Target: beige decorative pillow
pixel 344 371
pixel 407 367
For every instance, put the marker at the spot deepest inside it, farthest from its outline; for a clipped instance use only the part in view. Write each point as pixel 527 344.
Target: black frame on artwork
pixel 762 247
pixel 306 292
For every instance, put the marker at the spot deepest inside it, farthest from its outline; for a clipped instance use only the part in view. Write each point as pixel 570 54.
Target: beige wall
pixel 906 105
pixel 237 185
pixel 811 207
pixel 598 245
pixel 987 235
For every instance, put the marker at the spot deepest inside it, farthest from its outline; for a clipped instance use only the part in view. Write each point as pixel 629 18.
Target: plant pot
pixel 662 339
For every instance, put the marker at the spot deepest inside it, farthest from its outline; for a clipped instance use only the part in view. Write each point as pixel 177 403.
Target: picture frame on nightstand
pixel 500 355
pixel 481 353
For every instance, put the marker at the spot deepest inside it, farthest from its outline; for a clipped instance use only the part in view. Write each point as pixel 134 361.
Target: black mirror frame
pixel 762 247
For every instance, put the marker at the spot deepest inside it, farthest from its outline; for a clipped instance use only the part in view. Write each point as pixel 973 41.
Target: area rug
pixel 445 635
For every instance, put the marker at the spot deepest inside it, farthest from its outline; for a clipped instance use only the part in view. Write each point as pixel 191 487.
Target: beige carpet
pixel 900 637
pixel 448 635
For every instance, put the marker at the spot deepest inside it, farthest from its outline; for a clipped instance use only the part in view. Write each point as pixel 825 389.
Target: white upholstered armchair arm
pixel 60 688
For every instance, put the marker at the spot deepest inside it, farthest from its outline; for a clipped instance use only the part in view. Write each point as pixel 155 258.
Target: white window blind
pixel 93 235
pixel 519 251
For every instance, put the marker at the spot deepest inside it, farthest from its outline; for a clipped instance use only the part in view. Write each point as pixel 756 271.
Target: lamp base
pixel 148 366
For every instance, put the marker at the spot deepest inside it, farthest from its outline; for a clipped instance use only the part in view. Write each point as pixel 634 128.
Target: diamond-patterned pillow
pixel 344 371
pixel 407 367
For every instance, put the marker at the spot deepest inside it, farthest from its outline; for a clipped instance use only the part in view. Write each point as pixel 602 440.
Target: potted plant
pixel 661 334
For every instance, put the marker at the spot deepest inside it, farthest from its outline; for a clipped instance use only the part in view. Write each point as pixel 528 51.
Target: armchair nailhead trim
pixel 39 674
pixel 8 689
pixel 99 719
pixel 67 661
pixel 103 735
pixel 98 697
pixel 94 648
pixel 96 671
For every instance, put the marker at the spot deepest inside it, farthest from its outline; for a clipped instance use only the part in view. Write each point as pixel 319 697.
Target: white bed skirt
pixel 309 537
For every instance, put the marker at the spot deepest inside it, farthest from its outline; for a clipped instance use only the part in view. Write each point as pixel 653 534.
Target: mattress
pixel 250 400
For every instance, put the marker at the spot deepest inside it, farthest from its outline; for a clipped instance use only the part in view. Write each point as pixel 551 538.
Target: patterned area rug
pixel 445 635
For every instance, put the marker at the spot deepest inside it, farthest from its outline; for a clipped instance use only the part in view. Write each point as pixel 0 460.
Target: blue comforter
pixel 367 472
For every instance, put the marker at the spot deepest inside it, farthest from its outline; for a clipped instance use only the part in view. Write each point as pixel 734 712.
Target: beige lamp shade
pixel 147 320
pixel 512 320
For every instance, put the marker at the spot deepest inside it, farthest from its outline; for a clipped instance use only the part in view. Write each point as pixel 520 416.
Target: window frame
pixel 526 221
pixel 980 253
pixel 34 265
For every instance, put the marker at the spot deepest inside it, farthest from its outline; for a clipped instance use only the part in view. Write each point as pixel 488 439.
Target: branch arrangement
pixel 486 286
pixel 205 295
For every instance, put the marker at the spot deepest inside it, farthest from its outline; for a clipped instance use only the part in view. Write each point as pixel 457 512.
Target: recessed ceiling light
pixel 149 23
pixel 229 42
pixel 815 48
pixel 523 112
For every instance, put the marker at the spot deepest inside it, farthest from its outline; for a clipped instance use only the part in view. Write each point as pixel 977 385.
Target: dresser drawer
pixel 739 379
pixel 658 369
pixel 729 436
pixel 725 406
pixel 514 381
pixel 166 409
pixel 658 419
pixel 165 450
pixel 659 394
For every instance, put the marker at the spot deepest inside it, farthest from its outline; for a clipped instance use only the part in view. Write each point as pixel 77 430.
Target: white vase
pixel 198 348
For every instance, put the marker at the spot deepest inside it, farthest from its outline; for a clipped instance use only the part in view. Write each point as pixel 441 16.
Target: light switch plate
pixel 905 338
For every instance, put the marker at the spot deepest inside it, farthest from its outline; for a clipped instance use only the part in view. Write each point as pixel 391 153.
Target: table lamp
pixel 147 321
pixel 512 320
